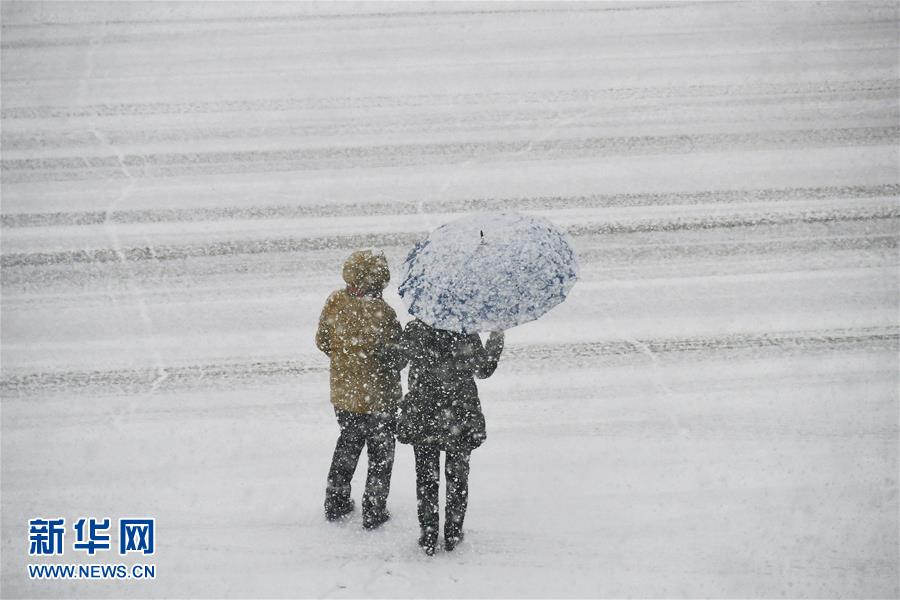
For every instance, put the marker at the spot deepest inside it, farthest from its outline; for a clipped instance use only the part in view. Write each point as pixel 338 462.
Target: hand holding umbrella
pixel 494 344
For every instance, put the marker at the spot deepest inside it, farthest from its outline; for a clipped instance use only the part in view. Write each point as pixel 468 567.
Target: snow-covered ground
pixel 712 412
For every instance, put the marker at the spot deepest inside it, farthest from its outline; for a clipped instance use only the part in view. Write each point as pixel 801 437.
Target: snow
pixel 713 411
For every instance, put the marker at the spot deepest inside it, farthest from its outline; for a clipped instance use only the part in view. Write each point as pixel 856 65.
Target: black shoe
pixel 375 521
pixel 452 539
pixel 335 511
pixel 428 541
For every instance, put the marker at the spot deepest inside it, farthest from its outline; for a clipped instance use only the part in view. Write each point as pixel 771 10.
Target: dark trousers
pixel 375 432
pixel 428 478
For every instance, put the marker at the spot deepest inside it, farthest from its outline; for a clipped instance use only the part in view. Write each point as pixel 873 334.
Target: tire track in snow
pixel 374 156
pixel 196 23
pixel 37 284
pixel 581 108
pixel 530 357
pixel 807 91
pixel 367 209
pixel 406 239
pixel 800 92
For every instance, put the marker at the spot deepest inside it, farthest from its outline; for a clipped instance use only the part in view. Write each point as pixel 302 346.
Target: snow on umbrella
pixel 488 272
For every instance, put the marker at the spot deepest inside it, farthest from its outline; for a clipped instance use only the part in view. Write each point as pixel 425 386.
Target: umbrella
pixel 488 272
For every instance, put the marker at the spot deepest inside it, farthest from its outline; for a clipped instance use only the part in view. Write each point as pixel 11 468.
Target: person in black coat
pixel 442 412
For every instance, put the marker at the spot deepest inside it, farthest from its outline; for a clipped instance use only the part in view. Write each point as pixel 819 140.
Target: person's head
pixel 366 273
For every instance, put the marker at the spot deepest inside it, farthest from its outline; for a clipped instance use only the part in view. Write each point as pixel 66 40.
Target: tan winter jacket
pixel 360 333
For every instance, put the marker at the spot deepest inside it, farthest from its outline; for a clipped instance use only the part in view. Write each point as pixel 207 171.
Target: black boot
pixel 338 510
pixel 452 537
pixel 428 540
pixel 375 520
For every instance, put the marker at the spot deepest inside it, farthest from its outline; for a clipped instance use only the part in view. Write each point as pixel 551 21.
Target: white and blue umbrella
pixel 488 272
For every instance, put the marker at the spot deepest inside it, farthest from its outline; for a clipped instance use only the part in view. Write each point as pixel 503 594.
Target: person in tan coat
pixel 360 333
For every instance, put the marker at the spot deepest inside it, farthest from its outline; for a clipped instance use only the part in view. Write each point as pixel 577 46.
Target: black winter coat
pixel 442 406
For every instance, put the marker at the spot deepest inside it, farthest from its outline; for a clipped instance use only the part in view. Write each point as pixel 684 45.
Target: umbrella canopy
pixel 488 272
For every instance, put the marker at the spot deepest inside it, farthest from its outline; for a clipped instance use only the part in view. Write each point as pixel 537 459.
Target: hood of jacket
pixel 367 272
